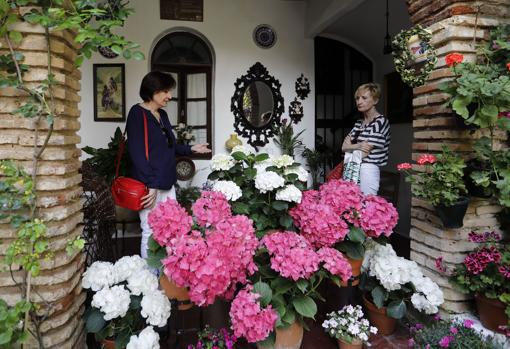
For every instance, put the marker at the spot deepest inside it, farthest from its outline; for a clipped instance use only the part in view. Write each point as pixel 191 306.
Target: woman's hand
pixel 149 199
pixel 201 148
pixel 365 147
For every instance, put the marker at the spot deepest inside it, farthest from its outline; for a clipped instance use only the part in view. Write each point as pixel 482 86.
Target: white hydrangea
pixel 289 193
pixel 299 170
pixel 147 339
pixel 268 181
pixel 228 188
pixel 283 161
pixel 155 308
pixel 142 282
pixel 128 265
pixel 421 303
pixel 261 166
pixel 113 302
pixel 428 295
pixel 98 276
pixel 242 149
pixel 222 162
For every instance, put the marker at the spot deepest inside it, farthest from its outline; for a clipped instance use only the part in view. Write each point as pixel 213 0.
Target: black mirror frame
pixel 257 136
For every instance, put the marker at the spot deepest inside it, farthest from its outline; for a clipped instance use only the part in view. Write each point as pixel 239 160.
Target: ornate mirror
pixel 257 105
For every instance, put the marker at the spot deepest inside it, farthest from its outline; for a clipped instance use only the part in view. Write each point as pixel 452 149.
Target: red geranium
pixel 404 166
pixel 426 159
pixel 453 59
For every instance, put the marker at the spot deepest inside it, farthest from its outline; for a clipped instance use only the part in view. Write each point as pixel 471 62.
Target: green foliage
pixel 286 139
pixel 103 159
pixel 75 245
pixel 465 337
pixel 441 182
pixel 11 324
pixel 187 196
pixel 316 159
pixel 16 193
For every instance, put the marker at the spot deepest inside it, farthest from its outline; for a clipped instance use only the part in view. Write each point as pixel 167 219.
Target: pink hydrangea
pixel 344 197
pixel 291 255
pixel 168 220
pixel 248 319
pixel 378 216
pixel 335 262
pixel 211 208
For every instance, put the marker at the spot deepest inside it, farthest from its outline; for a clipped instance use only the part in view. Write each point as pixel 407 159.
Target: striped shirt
pixel 376 133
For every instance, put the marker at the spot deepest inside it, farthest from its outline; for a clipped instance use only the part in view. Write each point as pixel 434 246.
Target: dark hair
pixel 155 82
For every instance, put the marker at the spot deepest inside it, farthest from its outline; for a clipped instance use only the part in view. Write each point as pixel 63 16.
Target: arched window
pixel 189 59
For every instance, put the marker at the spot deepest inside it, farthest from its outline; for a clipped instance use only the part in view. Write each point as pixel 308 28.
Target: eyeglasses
pixel 169 138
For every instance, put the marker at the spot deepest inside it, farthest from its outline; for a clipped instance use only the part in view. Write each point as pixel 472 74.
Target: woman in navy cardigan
pixel 158 171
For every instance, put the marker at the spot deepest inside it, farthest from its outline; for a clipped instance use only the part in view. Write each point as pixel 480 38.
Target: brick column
pixel 58 288
pixel 452 23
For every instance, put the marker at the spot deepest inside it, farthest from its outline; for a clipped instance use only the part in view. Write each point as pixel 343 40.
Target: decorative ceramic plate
pixel 185 168
pixel 264 36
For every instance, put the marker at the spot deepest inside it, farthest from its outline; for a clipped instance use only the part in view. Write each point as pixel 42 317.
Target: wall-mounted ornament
pixel 106 52
pixel 302 87
pixel 264 36
pixel 295 111
pixel 257 105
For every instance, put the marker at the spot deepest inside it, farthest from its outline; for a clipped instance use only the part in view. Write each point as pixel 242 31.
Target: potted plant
pixel 485 272
pixel 391 283
pixel 126 303
pixel 458 333
pixel 210 338
pixel 349 327
pixel 317 158
pixel 286 139
pixel 439 184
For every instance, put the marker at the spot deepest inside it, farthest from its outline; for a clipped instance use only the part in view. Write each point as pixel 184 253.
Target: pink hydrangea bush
pixel 169 220
pixel 335 262
pixel 249 320
pixel 211 208
pixel 344 197
pixel 378 216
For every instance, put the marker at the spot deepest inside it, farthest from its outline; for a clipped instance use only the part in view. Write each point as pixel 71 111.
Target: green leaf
pixel 280 205
pixel 265 292
pixel 268 342
pixel 95 320
pixel 5 337
pixel 286 221
pixel 261 157
pixel 15 36
pixel 117 49
pixel 126 54
pixel 379 295
pixel 396 309
pixel 240 208
pixel 289 317
pixel 138 56
pixel 239 156
pixel 460 106
pixel 356 235
pixel 352 249
pixel 302 284
pixel 305 306
pixel 122 339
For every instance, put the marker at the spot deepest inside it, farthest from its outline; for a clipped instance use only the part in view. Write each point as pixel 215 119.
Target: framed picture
pixel 398 99
pixel 182 10
pixel 109 92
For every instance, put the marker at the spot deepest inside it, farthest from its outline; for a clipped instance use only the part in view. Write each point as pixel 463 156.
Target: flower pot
pixel 453 216
pixel 385 325
pixel 353 345
pixel 287 338
pixel 356 271
pixel 108 344
pixel 174 292
pixel 491 312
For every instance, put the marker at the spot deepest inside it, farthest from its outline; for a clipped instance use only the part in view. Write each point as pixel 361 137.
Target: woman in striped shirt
pixel 371 136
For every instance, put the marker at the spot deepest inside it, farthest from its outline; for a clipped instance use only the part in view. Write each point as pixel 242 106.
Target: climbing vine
pixel 91 23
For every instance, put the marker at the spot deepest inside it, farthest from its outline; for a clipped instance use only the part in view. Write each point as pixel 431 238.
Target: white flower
pixel 242 149
pixel 99 275
pixel 222 162
pixel 228 188
pixel 283 161
pixel 113 302
pixel 142 282
pixel 156 308
pixel 261 166
pixel 147 339
pixel 128 265
pixel 421 303
pixel 290 193
pixel 300 171
pixel 268 181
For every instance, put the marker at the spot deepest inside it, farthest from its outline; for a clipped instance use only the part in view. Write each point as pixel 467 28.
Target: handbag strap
pixel 122 145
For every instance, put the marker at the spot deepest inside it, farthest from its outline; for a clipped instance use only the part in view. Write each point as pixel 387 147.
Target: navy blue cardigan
pixel 159 172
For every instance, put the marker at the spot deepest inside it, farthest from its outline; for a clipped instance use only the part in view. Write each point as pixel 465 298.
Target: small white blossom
pixel 268 181
pixel 222 162
pixel 300 171
pixel 113 302
pixel 147 339
pixel 283 161
pixel 98 276
pixel 142 282
pixel 128 265
pixel 155 308
pixel 289 193
pixel 228 188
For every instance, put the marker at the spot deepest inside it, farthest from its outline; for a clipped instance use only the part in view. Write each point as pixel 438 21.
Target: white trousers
pixel 370 176
pixel 161 195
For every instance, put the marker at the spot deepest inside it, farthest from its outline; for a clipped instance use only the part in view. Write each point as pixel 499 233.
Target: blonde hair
pixel 373 88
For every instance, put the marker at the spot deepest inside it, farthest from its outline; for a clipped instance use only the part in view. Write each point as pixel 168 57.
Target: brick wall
pixel 452 23
pixel 58 288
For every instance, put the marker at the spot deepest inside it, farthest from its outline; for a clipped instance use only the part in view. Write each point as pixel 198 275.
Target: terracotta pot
pixel 356 271
pixel 173 291
pixel 491 312
pixel 386 325
pixel 108 344
pixel 353 345
pixel 287 338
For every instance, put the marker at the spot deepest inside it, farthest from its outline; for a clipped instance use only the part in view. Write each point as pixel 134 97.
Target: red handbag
pixel 336 172
pixel 128 192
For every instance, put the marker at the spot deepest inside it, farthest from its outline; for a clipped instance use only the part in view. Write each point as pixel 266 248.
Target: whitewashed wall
pixel 228 25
